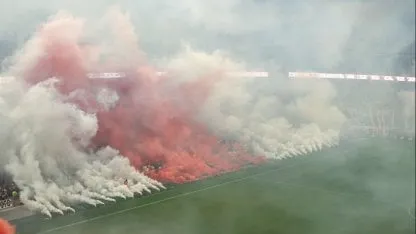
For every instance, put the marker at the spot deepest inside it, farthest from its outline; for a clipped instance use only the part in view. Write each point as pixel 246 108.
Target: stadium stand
pixel 8 192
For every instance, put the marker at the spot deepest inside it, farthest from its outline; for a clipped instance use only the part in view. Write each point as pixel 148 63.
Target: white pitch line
pixel 154 203
pixel 166 199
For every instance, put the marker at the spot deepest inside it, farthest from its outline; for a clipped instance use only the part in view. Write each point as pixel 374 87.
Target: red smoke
pixel 153 123
pixel 6 228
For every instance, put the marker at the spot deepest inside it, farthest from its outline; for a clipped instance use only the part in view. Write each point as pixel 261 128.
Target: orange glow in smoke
pixel 153 123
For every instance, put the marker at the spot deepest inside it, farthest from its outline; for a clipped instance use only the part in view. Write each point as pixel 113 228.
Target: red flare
pixel 6 227
pixel 153 123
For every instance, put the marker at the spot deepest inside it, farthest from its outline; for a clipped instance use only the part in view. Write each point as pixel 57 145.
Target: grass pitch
pixel 359 187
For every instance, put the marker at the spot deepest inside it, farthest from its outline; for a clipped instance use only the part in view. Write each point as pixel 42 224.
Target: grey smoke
pixel 273 116
pixel 44 139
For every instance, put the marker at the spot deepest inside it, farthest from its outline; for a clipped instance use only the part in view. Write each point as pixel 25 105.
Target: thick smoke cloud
pixel 276 125
pixel 46 136
pixel 50 169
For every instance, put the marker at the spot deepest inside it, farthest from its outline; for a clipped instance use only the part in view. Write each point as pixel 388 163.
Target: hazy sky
pixel 309 34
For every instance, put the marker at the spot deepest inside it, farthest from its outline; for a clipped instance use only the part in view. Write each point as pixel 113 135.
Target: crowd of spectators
pixel 8 191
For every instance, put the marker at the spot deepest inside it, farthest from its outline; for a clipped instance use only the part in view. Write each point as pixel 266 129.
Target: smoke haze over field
pixel 314 34
pixel 47 138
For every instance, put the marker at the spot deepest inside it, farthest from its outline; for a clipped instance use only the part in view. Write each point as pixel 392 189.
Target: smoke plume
pixel 69 139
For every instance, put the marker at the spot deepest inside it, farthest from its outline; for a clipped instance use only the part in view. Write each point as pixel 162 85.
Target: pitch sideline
pixel 170 198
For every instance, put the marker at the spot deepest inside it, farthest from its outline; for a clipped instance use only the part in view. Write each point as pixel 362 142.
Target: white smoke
pixel 407 99
pixel 42 142
pixel 266 123
pixel 44 138
pixel 107 98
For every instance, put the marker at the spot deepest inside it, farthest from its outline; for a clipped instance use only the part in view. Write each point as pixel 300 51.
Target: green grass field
pixel 360 187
